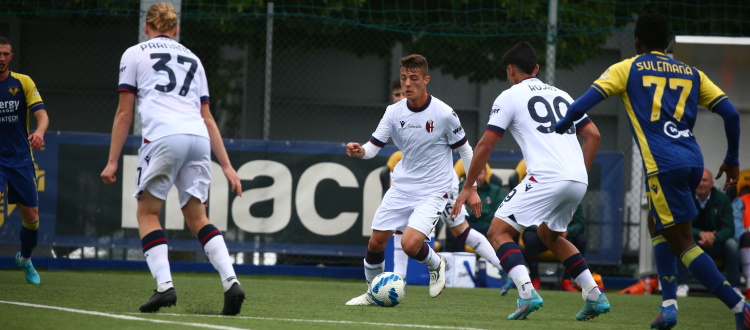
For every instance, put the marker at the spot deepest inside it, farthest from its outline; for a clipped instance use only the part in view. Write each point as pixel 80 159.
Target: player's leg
pixel 532 248
pixel 469 236
pixel 22 192
pixel 673 206
pixel 155 249
pixel 670 276
pixel 579 241
pixel 155 176
pixel 745 260
pixel 400 259
pixel 374 264
pixel 422 221
pixel 500 235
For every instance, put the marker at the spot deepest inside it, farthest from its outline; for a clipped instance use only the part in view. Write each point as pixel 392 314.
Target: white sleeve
pixel 202 84
pixel 370 150
pixel 383 131
pixel 467 153
pixel 500 116
pixel 128 72
pixel 456 134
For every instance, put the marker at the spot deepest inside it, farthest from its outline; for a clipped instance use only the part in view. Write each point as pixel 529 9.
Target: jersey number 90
pixel 549 115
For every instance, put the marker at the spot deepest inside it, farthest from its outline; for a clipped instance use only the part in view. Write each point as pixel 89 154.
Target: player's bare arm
pixel 468 194
pixel 591 139
pixel 217 146
pixel 42 123
pixel 120 128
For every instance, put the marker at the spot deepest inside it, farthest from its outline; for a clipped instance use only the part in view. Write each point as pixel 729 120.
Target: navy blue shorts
pixel 21 184
pixel 670 196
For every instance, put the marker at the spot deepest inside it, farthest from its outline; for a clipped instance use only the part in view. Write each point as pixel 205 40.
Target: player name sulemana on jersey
pixel 664 67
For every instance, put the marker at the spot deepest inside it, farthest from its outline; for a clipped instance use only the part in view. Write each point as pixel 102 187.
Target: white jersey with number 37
pixel 170 84
pixel 530 110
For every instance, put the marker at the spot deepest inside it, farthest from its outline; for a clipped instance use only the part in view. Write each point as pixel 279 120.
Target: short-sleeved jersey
pixel 661 96
pixel 530 110
pixel 170 84
pixel 18 99
pixel 426 136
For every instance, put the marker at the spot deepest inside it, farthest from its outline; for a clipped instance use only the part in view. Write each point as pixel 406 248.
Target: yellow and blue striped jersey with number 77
pixel 661 96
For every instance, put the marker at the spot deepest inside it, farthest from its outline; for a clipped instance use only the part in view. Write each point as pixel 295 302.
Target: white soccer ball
pixel 388 289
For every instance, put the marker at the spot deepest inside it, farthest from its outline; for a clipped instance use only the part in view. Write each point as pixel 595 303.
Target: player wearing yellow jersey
pixel 661 97
pixel 18 99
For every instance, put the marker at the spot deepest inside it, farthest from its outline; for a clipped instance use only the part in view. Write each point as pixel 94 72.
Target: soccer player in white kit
pixel 425 129
pixel 179 133
pixel 458 227
pixel 554 185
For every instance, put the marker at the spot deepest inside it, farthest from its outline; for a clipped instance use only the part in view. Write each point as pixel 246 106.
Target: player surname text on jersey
pixel 664 67
pixel 160 45
pixel 535 88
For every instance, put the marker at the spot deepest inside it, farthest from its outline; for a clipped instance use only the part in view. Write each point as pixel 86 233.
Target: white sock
pixel 520 276
pixel 668 302
pixel 158 263
pixel 588 285
pixel 433 259
pixel 738 308
pixel 745 258
pixel 482 246
pixel 164 286
pixel 371 271
pixel 25 260
pixel 218 255
pixel 400 259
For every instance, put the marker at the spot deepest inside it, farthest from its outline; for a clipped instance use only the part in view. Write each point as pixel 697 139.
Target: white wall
pixel 709 132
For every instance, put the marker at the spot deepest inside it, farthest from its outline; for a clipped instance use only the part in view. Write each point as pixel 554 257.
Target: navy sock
pixel 154 238
pixel 207 233
pixel 510 256
pixel 29 234
pixel 704 269
pixel 666 266
pixel 374 258
pixel 575 265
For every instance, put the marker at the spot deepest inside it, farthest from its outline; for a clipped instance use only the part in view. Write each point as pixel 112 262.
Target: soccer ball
pixel 388 289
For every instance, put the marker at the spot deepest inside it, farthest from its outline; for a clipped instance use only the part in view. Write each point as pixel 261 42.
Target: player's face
pixel 397 95
pixel 5 57
pixel 414 84
pixel 707 182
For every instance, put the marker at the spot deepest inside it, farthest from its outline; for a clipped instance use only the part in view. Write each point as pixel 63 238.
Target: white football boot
pixel 362 300
pixel 437 279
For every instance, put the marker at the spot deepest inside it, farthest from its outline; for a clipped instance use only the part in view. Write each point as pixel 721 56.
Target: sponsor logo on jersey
pixel 13 90
pixel 458 129
pixel 670 129
pixel 402 124
pixel 429 126
pixel 122 69
pixel 655 188
pixel 454 114
pixel 528 186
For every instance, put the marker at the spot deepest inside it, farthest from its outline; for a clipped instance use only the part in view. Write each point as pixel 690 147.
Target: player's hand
pixel 108 175
pixel 233 179
pixel 459 203
pixel 563 125
pixel 733 174
pixel 36 140
pixel 353 149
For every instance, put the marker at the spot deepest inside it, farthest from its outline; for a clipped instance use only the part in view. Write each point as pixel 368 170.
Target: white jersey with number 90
pixel 170 84
pixel 530 110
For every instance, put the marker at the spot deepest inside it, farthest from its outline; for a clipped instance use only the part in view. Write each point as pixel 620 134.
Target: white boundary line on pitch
pixel 123 317
pixel 328 321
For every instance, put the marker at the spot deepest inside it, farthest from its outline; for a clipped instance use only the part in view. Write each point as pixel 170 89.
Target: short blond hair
pixel 161 17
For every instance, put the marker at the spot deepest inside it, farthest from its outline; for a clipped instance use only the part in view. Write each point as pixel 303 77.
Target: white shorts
pixel 182 160
pixel 398 211
pixel 446 216
pixel 532 203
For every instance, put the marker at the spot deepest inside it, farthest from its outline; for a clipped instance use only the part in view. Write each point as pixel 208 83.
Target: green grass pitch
pixel 109 300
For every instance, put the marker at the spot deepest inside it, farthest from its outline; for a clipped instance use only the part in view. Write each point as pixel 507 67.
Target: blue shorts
pixel 21 182
pixel 670 196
